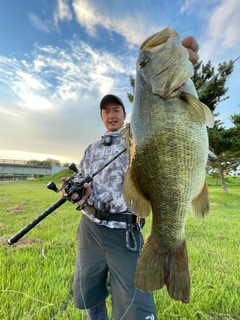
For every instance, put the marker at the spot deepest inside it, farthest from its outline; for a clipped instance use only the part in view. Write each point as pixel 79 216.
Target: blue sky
pixel 59 57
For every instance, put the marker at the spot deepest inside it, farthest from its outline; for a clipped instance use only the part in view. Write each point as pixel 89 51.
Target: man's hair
pixel 111 97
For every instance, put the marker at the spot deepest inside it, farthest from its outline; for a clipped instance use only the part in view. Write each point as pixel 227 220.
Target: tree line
pixel 224 144
pixel 47 162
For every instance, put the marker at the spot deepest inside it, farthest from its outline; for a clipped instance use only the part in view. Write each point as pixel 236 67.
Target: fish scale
pixel 168 148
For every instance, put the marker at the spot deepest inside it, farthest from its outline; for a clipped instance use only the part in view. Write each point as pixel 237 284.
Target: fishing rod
pixel 70 186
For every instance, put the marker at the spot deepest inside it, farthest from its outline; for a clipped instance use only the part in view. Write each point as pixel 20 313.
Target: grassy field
pixel 36 272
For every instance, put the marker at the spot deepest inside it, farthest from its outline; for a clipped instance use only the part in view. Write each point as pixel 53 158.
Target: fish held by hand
pixel 168 148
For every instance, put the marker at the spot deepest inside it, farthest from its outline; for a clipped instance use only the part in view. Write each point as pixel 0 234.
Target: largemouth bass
pixel 168 148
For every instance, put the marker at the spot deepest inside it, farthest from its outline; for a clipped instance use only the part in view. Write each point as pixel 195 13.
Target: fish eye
pixel 142 62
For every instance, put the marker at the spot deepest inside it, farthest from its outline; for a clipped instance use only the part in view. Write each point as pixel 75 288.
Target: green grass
pixel 36 272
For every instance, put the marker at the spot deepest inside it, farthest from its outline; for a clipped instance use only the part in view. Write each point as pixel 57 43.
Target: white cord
pixel 85 307
pixel 135 291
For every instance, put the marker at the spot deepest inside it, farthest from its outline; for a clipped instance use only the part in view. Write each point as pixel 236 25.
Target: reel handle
pixel 52 186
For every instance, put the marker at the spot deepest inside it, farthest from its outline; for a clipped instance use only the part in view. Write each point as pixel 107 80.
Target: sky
pixel 58 58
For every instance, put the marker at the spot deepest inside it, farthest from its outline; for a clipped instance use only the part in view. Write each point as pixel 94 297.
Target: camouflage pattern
pixel 107 185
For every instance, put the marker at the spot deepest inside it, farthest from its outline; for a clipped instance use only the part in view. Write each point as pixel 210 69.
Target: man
pixel 109 233
pixel 106 243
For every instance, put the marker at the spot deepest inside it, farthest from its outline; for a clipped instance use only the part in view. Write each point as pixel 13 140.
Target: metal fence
pixel 15 177
pixel 9 161
pixel 26 162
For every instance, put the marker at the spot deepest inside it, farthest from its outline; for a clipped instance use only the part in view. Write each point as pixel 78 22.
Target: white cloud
pixel 222 38
pixel 28 80
pixel 91 14
pixel 89 17
pixel 186 5
pixel 21 156
pixel 198 8
pixel 63 12
pixel 57 93
pixel 224 24
pixel 39 24
pixel 56 74
pixel 134 30
pixel 26 84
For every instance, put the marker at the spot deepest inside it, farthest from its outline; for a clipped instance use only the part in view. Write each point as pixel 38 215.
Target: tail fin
pixel 177 277
pixel 149 273
pixel 154 269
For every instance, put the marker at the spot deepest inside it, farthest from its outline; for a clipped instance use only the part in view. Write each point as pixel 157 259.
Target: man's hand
pixel 88 191
pixel 190 43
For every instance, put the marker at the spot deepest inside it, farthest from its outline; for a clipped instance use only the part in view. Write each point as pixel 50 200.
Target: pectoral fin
pixel 209 116
pixel 134 198
pixel 126 132
pixel 204 113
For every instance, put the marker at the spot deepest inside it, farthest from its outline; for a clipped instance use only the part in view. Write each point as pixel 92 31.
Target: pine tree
pixel 209 84
pixel 132 83
pixel 225 148
pixel 211 87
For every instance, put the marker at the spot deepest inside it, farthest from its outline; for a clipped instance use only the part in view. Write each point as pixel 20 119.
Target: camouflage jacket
pixel 106 185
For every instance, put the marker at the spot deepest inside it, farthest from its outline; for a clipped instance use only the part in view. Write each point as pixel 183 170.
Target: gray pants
pixel 98 312
pixel 102 250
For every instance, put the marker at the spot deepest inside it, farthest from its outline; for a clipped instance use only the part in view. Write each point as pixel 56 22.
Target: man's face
pixel 113 116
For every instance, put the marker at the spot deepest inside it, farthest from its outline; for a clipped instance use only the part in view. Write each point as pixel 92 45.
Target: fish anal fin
pixel 134 197
pixel 200 205
pixel 154 269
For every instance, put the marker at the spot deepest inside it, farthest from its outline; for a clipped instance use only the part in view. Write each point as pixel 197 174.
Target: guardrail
pixel 23 167
pixel 9 161
pixel 26 162
pixel 15 177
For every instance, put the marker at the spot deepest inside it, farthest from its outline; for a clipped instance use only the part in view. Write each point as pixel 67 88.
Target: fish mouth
pixel 179 88
pixel 158 39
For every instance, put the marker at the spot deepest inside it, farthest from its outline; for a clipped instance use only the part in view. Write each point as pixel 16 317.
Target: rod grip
pixel 32 224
